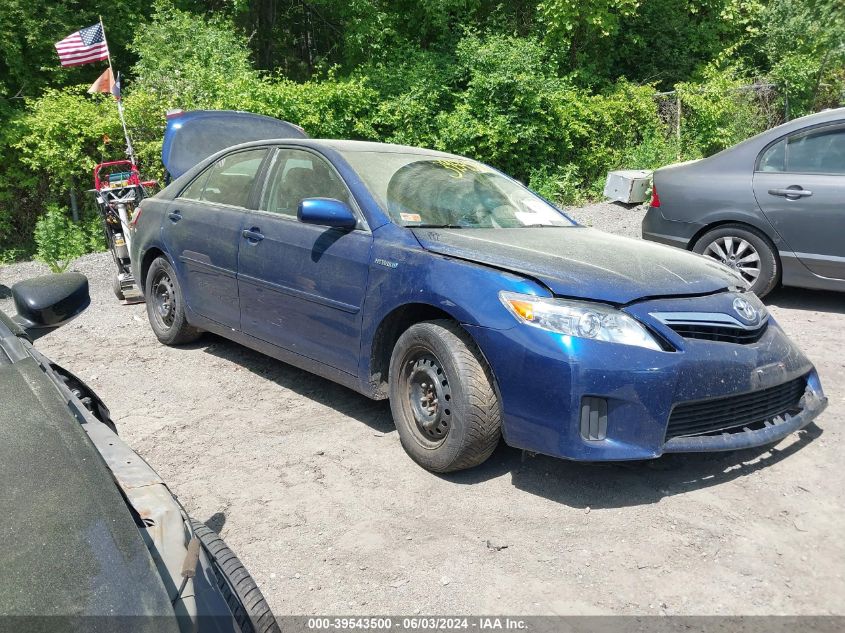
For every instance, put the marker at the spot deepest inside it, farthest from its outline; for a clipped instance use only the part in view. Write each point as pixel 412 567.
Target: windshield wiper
pixel 434 226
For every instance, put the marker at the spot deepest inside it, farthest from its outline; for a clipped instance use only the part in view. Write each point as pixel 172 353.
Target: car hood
pixel 584 263
pixel 71 546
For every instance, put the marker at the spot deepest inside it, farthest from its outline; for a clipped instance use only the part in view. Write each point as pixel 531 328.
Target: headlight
pixel 578 318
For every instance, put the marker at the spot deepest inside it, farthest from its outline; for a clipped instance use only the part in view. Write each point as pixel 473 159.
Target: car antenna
pixel 189 566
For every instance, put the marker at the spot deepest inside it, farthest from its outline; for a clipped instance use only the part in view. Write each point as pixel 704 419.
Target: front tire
pixel 243 596
pixel 745 250
pixel 166 305
pixel 442 397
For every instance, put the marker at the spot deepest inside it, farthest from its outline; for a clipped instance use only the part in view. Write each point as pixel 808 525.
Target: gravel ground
pixel 307 481
pixel 614 217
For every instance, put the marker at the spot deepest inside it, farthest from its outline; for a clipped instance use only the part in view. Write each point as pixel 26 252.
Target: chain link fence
pixel 738 112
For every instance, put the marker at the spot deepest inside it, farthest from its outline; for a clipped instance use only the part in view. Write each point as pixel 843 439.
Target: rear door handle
pixel 253 235
pixel 174 216
pixel 793 193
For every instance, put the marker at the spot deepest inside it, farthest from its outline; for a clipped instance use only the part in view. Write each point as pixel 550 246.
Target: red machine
pixel 118 189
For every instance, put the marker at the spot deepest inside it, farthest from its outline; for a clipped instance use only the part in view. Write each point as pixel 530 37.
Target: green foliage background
pixel 555 92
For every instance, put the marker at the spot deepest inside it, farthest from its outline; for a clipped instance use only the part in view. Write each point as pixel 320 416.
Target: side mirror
pixel 45 303
pixel 326 212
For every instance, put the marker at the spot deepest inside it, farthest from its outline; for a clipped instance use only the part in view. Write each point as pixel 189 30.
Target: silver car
pixel 772 207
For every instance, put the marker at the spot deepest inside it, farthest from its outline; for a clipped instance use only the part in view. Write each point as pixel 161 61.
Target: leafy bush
pixel 58 240
pixel 563 185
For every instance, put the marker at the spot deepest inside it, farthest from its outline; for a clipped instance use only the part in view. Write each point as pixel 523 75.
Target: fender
pixel 402 273
pixel 738 215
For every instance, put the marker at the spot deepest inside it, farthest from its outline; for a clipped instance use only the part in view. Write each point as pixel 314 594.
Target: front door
pixel 202 233
pixel 800 186
pixel 302 286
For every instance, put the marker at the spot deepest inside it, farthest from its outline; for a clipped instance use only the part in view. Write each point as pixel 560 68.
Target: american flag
pixel 85 46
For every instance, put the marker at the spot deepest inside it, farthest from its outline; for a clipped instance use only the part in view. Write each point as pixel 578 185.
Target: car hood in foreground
pixel 584 263
pixel 71 546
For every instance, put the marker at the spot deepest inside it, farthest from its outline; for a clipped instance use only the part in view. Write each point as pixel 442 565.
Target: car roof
pixel 823 116
pixel 369 146
pixel 345 146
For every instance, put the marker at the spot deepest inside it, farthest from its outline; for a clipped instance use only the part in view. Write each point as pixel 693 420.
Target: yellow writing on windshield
pixel 459 168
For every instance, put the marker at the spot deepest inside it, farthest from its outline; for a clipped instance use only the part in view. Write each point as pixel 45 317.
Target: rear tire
pixel 243 596
pixel 166 305
pixel 442 397
pixel 746 250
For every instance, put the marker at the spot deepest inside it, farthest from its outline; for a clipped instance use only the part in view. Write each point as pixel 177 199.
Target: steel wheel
pixel 442 397
pixel 426 387
pixel 737 254
pixel 164 299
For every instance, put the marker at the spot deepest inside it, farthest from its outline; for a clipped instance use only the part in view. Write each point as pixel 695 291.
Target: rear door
pixel 302 286
pixel 202 233
pixel 799 184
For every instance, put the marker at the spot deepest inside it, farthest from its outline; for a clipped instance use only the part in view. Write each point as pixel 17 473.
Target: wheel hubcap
pixel 429 396
pixel 164 307
pixel 737 254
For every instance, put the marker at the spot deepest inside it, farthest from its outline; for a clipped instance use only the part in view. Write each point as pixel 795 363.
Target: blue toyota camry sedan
pixel 479 309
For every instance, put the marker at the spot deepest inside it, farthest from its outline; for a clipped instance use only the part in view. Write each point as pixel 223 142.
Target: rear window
pixel 229 180
pixel 820 151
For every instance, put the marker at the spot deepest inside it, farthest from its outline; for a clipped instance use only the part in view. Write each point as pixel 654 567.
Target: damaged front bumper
pixel 812 403
pixel 596 401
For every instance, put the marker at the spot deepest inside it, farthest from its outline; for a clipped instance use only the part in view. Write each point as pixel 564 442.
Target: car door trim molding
pixel 198 262
pixel 299 294
pixel 816 256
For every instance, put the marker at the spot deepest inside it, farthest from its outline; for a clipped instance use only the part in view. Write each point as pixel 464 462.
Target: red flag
pixel 83 47
pixel 104 83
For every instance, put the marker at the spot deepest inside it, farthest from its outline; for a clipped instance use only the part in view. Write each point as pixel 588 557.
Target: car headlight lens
pixel 578 318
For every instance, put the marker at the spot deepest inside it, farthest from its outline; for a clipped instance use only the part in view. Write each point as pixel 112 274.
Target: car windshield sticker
pixel 459 168
pixel 410 217
pixel 538 213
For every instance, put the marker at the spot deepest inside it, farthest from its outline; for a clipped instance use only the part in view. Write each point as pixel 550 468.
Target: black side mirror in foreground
pixel 45 303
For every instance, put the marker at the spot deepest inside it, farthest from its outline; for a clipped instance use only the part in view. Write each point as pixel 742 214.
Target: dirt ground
pixel 307 481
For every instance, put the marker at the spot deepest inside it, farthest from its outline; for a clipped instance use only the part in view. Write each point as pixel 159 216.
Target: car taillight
pixel 655 199
pixel 134 221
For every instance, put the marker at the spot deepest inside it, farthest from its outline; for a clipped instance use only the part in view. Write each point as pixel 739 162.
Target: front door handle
pixel 253 235
pixel 174 216
pixel 792 193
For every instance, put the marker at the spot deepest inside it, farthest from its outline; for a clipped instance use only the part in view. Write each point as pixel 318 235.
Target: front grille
pixel 753 410
pixel 719 333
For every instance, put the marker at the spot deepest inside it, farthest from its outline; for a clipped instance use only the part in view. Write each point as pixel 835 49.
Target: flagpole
pixel 129 150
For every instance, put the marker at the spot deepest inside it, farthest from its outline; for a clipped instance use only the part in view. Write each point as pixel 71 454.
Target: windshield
pixel 430 191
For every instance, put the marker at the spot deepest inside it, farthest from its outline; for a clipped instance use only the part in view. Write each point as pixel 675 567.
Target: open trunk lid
pixel 192 136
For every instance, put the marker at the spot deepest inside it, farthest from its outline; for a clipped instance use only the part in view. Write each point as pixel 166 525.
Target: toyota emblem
pixel 744 309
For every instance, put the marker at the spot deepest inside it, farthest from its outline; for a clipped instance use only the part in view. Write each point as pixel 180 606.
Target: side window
pixel 230 179
pixel 817 152
pixel 194 190
pixel 773 158
pixel 297 175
